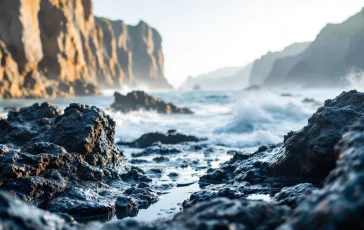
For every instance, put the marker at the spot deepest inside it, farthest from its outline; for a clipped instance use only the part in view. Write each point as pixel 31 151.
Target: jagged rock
pixel 26 123
pixel 143 194
pixel 172 137
pixel 216 214
pixel 309 153
pixel 137 100
pixel 305 155
pixel 224 214
pixel 85 130
pixel 291 196
pixel 339 204
pixel 157 149
pixel 73 166
pixel 214 191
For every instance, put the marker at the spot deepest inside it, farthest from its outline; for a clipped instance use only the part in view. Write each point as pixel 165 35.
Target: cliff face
pixel 138 50
pixel 263 66
pixel 336 51
pixel 52 48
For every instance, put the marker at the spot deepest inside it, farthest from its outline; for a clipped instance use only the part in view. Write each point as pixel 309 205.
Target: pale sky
pixel 202 35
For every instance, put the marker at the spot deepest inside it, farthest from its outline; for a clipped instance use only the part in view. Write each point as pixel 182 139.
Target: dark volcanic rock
pixel 85 130
pixel 137 100
pixel 309 153
pixel 216 214
pixel 157 150
pixel 24 124
pixel 172 137
pixel 213 191
pixel 291 196
pixel 340 203
pixel 305 155
pixel 73 167
pixel 223 213
pixel 16 214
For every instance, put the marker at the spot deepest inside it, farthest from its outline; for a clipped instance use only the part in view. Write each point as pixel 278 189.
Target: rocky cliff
pixel 336 52
pixel 263 66
pixel 51 48
pixel 138 51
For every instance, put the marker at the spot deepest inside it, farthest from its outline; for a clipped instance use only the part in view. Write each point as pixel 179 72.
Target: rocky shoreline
pixel 66 163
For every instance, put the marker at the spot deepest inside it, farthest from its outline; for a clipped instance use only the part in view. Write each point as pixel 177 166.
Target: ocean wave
pixel 265 118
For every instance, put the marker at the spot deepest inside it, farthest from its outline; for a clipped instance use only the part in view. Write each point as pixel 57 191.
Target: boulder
pixel 172 137
pixel 26 123
pixel 137 100
pixel 72 166
pixel 339 204
pixel 291 196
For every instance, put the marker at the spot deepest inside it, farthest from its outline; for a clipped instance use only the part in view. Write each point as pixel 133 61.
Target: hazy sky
pixel 203 35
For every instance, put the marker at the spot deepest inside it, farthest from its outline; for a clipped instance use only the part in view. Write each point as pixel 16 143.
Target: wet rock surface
pixel 172 137
pixel 291 196
pixel 16 214
pixel 72 166
pixel 23 124
pixel 339 204
pixel 54 175
pixel 139 100
pixel 305 155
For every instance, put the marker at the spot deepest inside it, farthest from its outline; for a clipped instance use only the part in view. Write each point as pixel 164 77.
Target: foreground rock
pixel 305 156
pixel 73 166
pixel 137 100
pixel 339 204
pixel 172 137
pixel 16 214
pixel 218 214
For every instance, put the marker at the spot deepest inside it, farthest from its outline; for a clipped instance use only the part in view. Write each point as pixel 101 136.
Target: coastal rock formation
pixel 58 48
pixel 262 67
pixel 307 155
pixel 172 137
pixel 333 59
pixel 339 204
pixel 23 125
pixel 71 162
pixel 137 100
